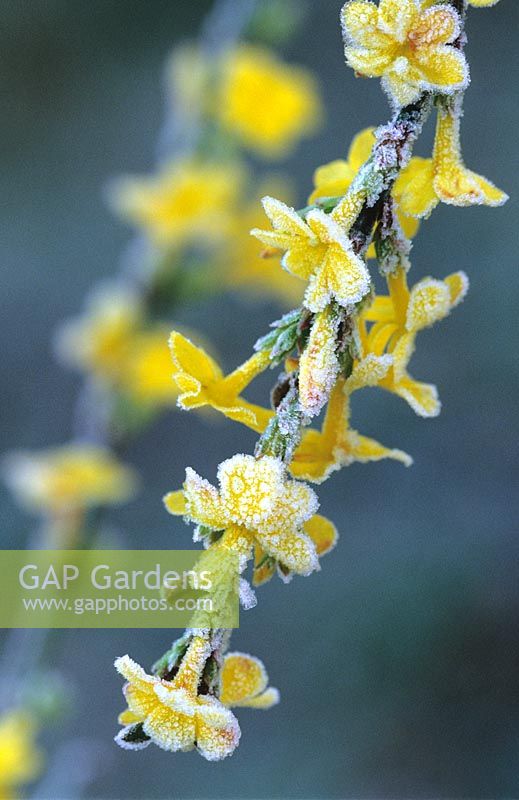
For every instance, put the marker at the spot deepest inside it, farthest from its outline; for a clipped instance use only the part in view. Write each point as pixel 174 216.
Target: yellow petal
pixel 203 502
pixel 361 148
pixel 217 730
pixel 437 25
pixel 250 488
pixel 284 218
pixel 295 551
pixel 402 84
pixel 483 3
pixel 341 276
pixel 332 180
pixel 414 190
pixel 128 718
pixel 443 68
pixel 429 302
pixel 175 503
pixel 371 63
pixel 322 532
pixel 193 368
pixel 422 397
pixel 402 353
pixel 360 24
pixel 397 17
pixel 242 677
pixel 315 458
pixel 363 449
pixel 253 416
pixel 264 701
pixel 369 372
pixel 458 284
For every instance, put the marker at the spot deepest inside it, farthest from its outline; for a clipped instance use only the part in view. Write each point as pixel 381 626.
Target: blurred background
pixel 398 663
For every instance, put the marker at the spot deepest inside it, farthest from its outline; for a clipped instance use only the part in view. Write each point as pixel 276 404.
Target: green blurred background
pixel 398 663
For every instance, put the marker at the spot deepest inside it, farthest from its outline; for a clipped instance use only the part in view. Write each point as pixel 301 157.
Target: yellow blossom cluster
pixel 174 715
pixel 20 760
pixel 345 336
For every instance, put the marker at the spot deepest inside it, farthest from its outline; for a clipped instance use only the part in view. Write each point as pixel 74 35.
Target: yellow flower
pixel 250 269
pixel 74 476
pixel 318 250
pixel 97 342
pixel 407 44
pixel 148 373
pixel 482 3
pixel 186 203
pixel 171 713
pixel 398 319
pixel 425 182
pixel 20 761
pixel 256 505
pixel 244 682
pixel 336 445
pixel 266 104
pixel 200 382
pixel 334 179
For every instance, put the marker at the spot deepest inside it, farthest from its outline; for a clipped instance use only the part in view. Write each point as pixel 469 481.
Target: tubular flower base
pixel 336 445
pixel 426 182
pixel 201 382
pixel 20 761
pixel 408 43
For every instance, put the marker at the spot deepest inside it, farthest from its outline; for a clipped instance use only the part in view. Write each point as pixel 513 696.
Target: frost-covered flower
pixel 408 44
pixel 187 202
pixel 244 683
pixel 246 266
pixel 318 250
pixel 334 179
pixel 444 177
pixel 398 319
pixel 20 761
pixel 97 342
pixel 201 382
pixel 256 505
pixel 172 714
pixel 267 104
pixel 336 445
pixel 110 342
pixel 74 476
pixel 319 365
